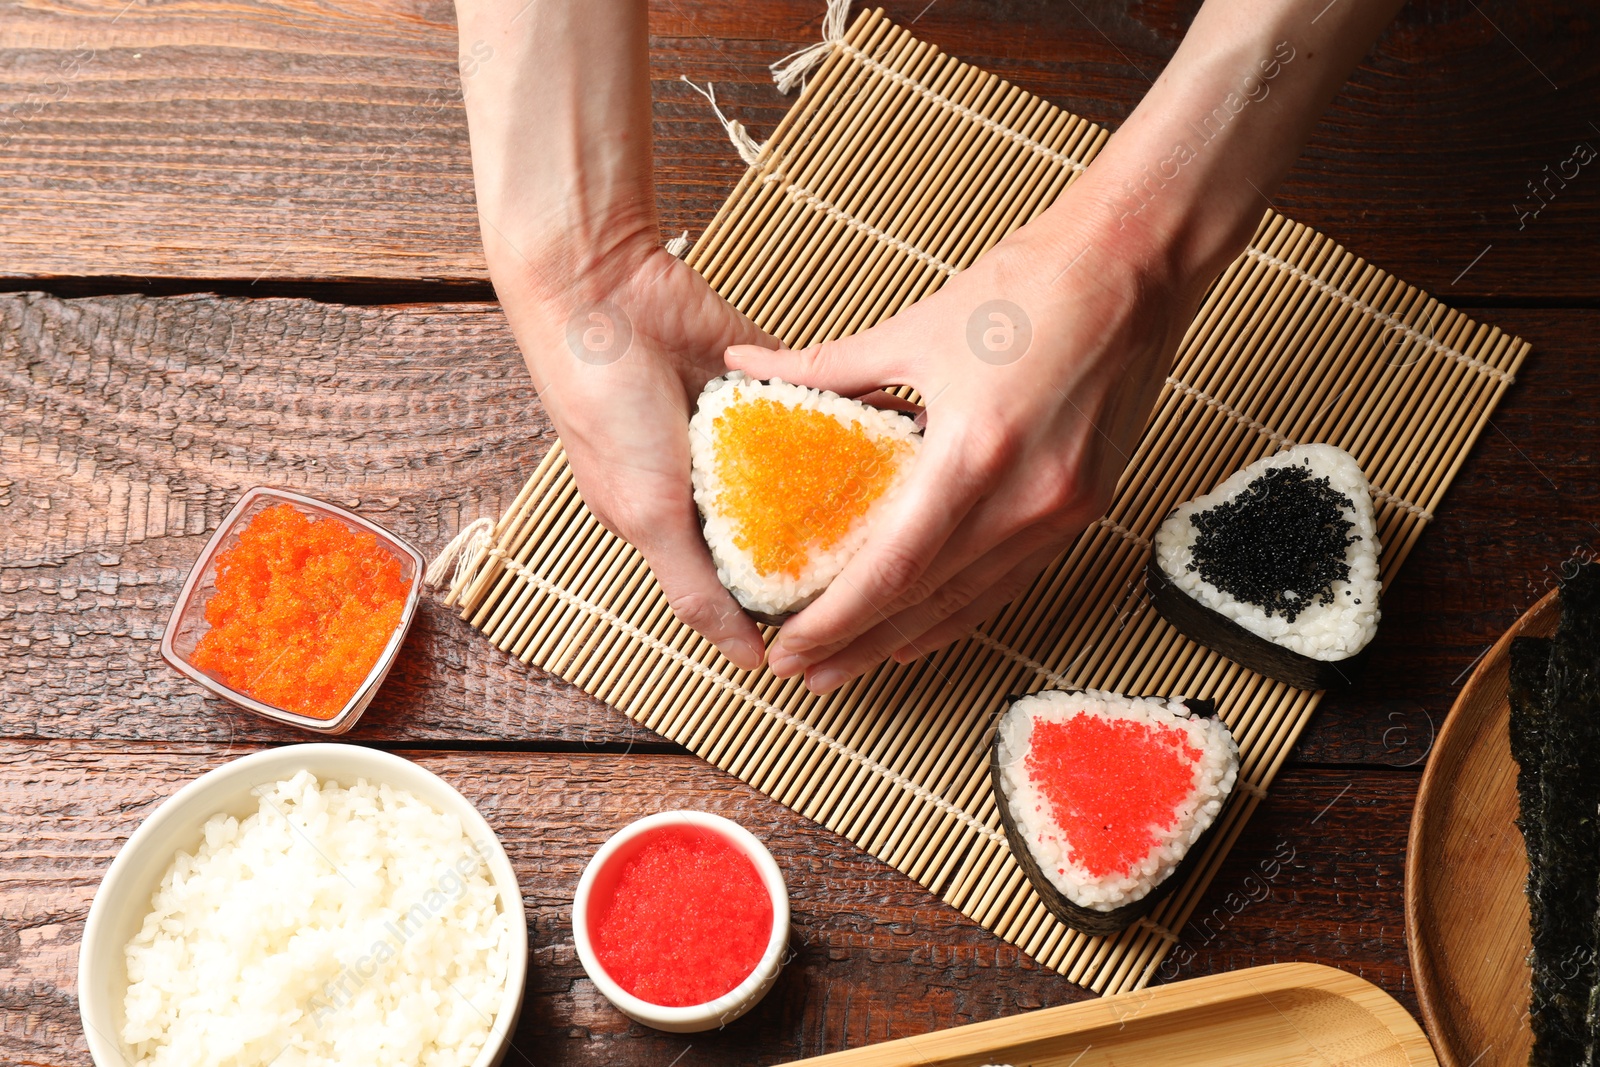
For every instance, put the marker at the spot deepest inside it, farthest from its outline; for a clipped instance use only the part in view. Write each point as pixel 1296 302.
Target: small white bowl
pixel 625 844
pixel 123 899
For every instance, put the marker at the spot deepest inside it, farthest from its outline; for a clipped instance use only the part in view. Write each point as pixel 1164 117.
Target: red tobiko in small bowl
pixel 681 919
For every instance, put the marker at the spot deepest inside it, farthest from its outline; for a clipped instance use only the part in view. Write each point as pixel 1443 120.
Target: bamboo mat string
pixel 792 69
pixel 942 101
pixel 801 194
pixel 897 166
pixel 1122 532
pixel 1283 441
pixel 464 551
pixel 1388 320
pixel 1058 680
pixel 833 211
pixel 748 147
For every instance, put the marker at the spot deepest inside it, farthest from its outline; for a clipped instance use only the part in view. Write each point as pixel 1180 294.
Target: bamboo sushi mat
pixel 897 167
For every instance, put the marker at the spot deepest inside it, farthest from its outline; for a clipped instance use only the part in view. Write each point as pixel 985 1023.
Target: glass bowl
pixel 188 623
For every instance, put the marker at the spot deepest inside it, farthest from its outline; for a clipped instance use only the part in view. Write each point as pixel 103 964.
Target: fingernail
pixel 784 663
pixel 795 642
pixel 904 655
pixel 741 652
pixel 826 680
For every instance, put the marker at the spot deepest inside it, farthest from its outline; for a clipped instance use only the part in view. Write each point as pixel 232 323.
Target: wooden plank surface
pixel 258 142
pixel 317 147
pixel 198 393
pixel 134 423
pixel 874 957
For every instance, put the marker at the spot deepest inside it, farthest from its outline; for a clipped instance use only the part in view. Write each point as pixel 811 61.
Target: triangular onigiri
pixel 788 481
pixel 1103 796
pixel 1276 568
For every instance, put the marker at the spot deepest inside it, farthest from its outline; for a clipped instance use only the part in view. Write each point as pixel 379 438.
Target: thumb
pixel 748 335
pixel 850 366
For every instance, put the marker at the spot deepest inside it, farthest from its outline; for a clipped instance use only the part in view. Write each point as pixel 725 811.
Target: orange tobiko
pixel 303 610
pixel 795 480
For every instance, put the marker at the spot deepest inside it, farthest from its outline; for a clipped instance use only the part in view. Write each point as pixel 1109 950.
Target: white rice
pixel 332 926
pixel 781 593
pixel 1214 776
pixel 1321 631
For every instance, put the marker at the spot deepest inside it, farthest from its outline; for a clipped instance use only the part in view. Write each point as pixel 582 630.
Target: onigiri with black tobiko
pixel 1276 568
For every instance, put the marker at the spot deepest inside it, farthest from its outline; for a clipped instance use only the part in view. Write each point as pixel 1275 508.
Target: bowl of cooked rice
pixel 304 906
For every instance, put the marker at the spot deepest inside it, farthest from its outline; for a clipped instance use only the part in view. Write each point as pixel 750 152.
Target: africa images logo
pixel 999 332
pixel 1253 89
pixel 599 334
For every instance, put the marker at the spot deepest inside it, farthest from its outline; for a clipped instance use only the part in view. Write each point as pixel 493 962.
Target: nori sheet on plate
pixel 1530 709
pixel 1530 720
pixel 1564 882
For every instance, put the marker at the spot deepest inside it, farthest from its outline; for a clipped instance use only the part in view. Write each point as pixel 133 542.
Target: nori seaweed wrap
pixel 1555 737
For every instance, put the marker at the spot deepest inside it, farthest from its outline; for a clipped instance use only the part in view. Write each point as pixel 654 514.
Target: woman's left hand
pixel 1037 367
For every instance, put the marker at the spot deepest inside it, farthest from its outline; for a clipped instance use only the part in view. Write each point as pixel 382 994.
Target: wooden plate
pixel 1466 917
pixel 1284 1015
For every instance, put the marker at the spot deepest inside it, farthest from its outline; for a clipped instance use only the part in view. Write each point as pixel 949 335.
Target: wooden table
pixel 240 248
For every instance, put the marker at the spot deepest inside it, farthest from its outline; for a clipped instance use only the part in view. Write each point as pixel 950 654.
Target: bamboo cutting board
pixel 1466 915
pixel 1284 1015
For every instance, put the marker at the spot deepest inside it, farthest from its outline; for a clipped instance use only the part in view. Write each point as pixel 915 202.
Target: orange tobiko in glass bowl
pixel 295 610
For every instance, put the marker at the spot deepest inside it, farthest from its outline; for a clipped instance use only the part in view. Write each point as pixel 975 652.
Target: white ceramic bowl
pixel 621 847
pixel 123 899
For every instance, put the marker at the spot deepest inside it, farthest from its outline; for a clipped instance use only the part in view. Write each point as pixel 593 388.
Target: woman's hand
pixel 1029 428
pixel 1039 364
pixel 1037 368
pixel 619 336
pixel 619 360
